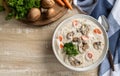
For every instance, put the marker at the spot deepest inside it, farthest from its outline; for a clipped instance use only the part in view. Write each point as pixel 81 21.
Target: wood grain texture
pixel 26 50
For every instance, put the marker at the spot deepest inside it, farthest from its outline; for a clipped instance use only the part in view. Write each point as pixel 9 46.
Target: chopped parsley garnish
pixel 70 49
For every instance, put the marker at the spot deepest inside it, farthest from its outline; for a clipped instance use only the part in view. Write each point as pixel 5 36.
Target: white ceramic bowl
pixel 103 53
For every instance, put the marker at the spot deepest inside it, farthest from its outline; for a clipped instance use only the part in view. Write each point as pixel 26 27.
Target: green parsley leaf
pixel 70 49
pixel 20 8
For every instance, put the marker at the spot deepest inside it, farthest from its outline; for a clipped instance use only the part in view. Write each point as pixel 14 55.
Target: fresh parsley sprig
pixel 70 49
pixel 20 8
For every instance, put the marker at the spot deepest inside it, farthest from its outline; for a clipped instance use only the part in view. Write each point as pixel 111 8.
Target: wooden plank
pixel 26 50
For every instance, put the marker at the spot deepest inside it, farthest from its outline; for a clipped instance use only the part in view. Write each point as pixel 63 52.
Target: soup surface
pixel 79 42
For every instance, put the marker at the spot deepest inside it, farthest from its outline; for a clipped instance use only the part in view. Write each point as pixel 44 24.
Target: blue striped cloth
pixel 111 9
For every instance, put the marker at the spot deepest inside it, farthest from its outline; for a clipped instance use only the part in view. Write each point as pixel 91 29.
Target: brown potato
pixel 34 14
pixel 47 3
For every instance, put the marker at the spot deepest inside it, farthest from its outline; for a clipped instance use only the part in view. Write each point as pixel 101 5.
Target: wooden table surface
pixel 26 50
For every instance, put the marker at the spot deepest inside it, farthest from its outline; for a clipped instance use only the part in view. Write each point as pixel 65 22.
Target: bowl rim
pixel 90 67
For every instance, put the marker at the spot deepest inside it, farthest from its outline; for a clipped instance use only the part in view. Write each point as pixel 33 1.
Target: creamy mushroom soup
pixel 79 42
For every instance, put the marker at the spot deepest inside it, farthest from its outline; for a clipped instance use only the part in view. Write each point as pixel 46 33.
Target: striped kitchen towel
pixel 111 9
